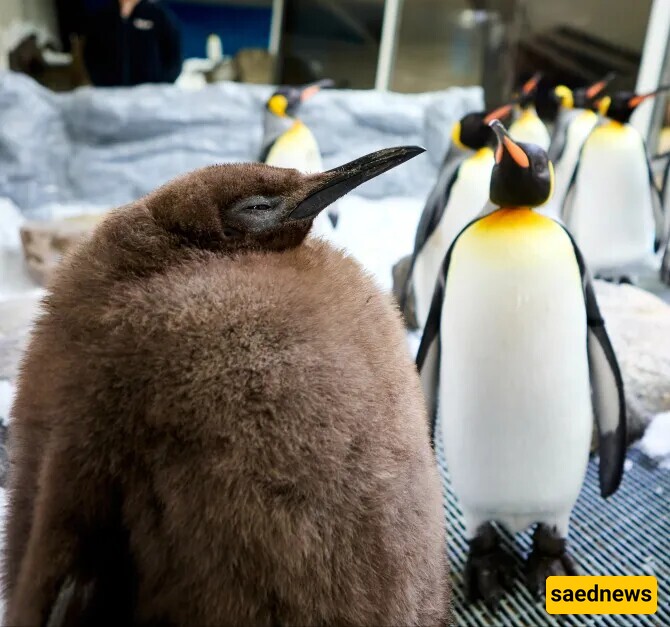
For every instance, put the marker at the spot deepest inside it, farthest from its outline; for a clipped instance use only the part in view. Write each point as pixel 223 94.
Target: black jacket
pixel 143 48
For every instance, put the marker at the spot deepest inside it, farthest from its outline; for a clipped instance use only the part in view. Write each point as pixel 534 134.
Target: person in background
pixel 128 42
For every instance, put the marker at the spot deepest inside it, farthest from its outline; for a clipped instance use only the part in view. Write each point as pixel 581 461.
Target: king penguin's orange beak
pixel 312 90
pixel 507 144
pixel 596 88
pixel 636 100
pixel 500 112
pixel 531 83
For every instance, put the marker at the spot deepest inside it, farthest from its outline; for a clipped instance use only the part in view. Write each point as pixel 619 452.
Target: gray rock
pixel 639 326
pixel 110 146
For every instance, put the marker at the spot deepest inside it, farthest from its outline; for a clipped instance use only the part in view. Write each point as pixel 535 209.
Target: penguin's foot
pixel 547 558
pixel 488 569
pixel 616 278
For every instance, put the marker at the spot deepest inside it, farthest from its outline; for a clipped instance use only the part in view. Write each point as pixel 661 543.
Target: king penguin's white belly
pixel 528 128
pixel 514 381
pixel 578 130
pixel 297 148
pixel 612 217
pixel 467 198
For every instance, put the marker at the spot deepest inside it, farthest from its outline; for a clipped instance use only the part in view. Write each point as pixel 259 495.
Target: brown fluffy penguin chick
pixel 218 423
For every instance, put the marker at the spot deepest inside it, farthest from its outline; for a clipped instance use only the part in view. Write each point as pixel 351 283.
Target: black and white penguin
pixel 613 208
pixel 289 143
pixel 577 117
pixel 516 356
pixel 528 127
pixel 459 194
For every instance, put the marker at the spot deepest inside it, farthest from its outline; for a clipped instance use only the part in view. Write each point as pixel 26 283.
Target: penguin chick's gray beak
pixel 335 183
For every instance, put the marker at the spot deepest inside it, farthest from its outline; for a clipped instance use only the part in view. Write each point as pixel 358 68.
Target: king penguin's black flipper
pixel 429 355
pixel 559 137
pixel 607 393
pixel 432 212
pixel 568 201
pixel 657 205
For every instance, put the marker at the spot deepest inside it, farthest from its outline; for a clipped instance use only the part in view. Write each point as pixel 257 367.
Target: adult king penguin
pixel 576 119
pixel 516 350
pixel 202 437
pixel 613 208
pixel 528 127
pixel 460 193
pixel 288 143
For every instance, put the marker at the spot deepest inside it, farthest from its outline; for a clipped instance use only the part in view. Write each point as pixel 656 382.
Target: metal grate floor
pixel 629 534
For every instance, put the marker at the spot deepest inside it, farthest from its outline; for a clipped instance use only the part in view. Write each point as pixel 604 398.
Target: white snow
pixel 378 232
pixel 6 399
pixel 656 440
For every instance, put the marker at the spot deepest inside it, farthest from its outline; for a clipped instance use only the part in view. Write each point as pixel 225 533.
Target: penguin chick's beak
pixel 335 183
pixel 311 90
pixel 507 144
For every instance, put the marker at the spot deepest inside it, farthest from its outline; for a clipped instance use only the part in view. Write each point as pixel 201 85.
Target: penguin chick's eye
pixel 257 204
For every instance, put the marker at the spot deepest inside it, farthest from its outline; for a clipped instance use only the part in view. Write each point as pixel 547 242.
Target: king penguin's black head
pixel 252 206
pixel 287 100
pixel 582 97
pixel 620 106
pixel 473 132
pixel 528 91
pixel 522 175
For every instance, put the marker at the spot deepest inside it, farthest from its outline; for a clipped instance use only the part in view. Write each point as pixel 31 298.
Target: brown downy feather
pixel 216 431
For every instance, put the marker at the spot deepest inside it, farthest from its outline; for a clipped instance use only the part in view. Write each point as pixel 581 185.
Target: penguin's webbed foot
pixel 488 569
pixel 616 278
pixel 547 558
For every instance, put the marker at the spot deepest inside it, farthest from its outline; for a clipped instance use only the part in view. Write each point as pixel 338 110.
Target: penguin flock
pixel 512 348
pixel 515 359
pixel 202 436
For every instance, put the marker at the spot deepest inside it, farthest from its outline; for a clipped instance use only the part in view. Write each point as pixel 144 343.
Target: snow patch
pixel 656 440
pixel 7 391
pixel 378 232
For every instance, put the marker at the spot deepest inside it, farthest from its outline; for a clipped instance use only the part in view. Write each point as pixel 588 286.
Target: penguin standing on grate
pixel 201 436
pixel 516 357
pixel 289 143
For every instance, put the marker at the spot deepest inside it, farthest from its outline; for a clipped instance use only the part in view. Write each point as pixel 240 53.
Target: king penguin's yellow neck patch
pixel 513 218
pixel 278 105
pixel 482 153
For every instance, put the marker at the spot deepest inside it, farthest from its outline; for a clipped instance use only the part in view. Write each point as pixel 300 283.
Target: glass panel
pixel 334 38
pixel 496 43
